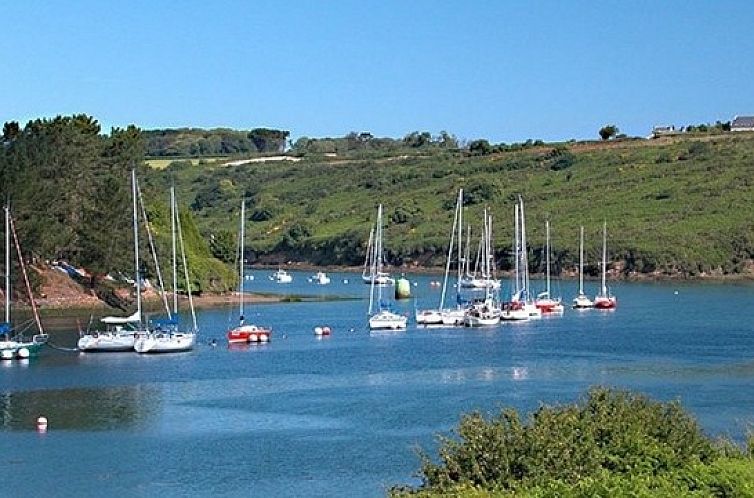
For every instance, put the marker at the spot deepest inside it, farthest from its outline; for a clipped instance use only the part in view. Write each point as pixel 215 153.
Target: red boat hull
pixel 248 334
pixel 605 303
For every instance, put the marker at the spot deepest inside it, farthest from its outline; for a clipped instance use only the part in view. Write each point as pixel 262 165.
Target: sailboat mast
pixel 460 238
pixel 240 261
pixel 450 252
pixel 7 265
pixel 604 257
pixel 547 237
pixel 490 256
pixel 136 246
pixel 524 251
pixel 581 262
pixel 467 257
pixel 173 215
pixel 368 261
pixel 376 265
pixel 484 250
pixel 34 310
pixel 378 245
pixel 186 277
pixel 516 250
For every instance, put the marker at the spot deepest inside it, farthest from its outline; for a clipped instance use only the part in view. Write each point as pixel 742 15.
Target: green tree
pixel 269 141
pixel 480 147
pixel 608 131
pixel 223 245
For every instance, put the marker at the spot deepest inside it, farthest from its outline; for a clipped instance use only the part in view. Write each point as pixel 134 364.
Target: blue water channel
pixel 343 415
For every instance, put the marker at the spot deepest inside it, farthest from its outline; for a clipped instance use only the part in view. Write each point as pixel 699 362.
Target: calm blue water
pixel 341 416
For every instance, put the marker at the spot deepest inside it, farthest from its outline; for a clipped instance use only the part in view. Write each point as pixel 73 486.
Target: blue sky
pixel 501 70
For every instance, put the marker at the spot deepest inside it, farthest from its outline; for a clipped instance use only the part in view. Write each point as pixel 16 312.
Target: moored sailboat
pixel 120 332
pixel 12 345
pixel 441 315
pixel 545 302
pixel 514 310
pixel 371 274
pixel 604 300
pixel 381 317
pixel 168 337
pixel 582 301
pixel 245 332
pixel 485 312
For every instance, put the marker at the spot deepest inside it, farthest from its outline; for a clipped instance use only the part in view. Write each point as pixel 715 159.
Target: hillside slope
pixel 679 207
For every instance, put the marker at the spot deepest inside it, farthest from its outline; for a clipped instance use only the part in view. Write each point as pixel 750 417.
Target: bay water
pixel 343 415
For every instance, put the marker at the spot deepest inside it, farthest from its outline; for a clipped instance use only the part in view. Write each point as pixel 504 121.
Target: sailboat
pixel 603 300
pixel 521 307
pixel 120 332
pixel 485 312
pixel 370 274
pixel 440 315
pixel 582 301
pixel 245 333
pixel 545 302
pixel 167 336
pixel 380 316
pixel 15 346
pixel 471 280
pixel 514 310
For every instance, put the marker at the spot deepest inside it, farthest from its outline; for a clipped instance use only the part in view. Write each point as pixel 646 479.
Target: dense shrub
pixel 612 443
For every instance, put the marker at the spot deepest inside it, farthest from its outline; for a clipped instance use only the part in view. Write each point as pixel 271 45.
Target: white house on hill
pixel 742 123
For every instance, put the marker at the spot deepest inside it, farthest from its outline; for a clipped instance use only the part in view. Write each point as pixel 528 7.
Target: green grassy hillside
pixel 680 206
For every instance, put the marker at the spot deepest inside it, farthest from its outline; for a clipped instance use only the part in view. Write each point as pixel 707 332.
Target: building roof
pixel 742 122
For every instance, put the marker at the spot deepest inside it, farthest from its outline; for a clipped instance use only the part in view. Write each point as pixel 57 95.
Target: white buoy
pixel 6 354
pixel 23 353
pixel 42 424
pixel 345 280
pixel 317 330
pixel 675 292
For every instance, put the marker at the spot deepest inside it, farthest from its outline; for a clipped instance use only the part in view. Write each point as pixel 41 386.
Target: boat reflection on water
pixel 246 346
pixel 124 407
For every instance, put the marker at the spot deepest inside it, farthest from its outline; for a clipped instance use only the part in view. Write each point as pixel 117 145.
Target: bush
pixel 608 444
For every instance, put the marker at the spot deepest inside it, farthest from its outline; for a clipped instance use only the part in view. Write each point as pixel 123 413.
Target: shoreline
pixel 63 308
pixel 69 305
pixel 613 276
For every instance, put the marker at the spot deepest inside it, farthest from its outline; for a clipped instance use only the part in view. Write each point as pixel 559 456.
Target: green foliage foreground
pixel 612 443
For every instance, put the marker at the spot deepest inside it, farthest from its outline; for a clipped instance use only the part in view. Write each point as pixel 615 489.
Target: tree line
pixel 68 187
pixel 197 142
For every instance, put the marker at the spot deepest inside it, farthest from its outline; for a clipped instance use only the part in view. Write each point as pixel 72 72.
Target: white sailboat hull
pixel 429 317
pixel 582 302
pixel 532 310
pixel 482 315
pixel 387 320
pixel 480 283
pixel 514 315
pixel 107 342
pixel 481 321
pixel 453 318
pixel 378 280
pixel 165 343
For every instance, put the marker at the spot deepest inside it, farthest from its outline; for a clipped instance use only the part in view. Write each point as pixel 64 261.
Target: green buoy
pixel 402 288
